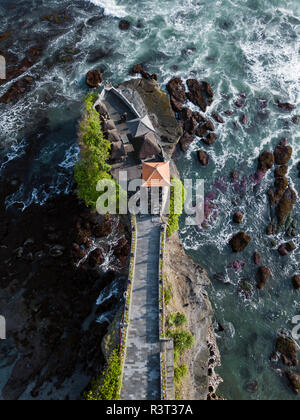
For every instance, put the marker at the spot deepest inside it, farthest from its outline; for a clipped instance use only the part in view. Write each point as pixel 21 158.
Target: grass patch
pixel 177 199
pixel 168 295
pixel 177 320
pixel 107 386
pixel 183 340
pixel 180 372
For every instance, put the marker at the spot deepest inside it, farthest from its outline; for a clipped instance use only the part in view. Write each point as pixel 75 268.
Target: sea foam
pixel 111 8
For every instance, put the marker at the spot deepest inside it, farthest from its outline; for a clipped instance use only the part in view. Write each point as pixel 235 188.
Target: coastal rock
pixel 185 141
pixel 266 161
pixel 176 90
pixel 281 171
pixel 122 250
pixel 124 25
pixel 245 289
pixel 201 131
pixel 244 119
pixel 176 105
pixel 294 380
pixel 103 229
pixel 288 348
pixel 210 139
pixel 238 217
pixel 218 118
pixel 285 206
pixel 190 125
pixel 296 282
pixel 286 249
pixel 283 153
pixel 281 184
pixel 203 157
pixel 96 258
pixel 270 229
pixel 234 176
pixel 285 106
pixel 77 253
pixel 240 242
pixel 94 78
pixel 257 258
pixel 263 276
pixel 200 94
pixel 186 114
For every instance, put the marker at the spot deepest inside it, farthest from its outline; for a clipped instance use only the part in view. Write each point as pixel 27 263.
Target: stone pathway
pixel 141 379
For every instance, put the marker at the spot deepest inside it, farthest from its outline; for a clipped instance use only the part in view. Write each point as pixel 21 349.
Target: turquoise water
pixel 246 47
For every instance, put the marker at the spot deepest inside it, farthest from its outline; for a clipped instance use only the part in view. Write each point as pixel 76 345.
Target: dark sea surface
pixel 249 51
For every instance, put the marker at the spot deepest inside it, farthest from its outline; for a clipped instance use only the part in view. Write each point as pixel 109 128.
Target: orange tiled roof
pixel 156 174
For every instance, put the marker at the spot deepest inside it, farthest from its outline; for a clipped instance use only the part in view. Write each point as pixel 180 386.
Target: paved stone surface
pixel 141 379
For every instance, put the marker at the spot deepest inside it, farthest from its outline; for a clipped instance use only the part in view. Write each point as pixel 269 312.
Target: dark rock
pixel 244 119
pixel 234 176
pixel 137 68
pixel 122 250
pixel 185 141
pixel 285 206
pixel 187 113
pixel 203 157
pixel 252 387
pixel 210 139
pixel 238 217
pixel 288 348
pixel 245 289
pixel 200 94
pixel 239 104
pixel 281 184
pixel 96 258
pixel 176 89
pixel 266 161
pixel 283 251
pixel 294 380
pixel 201 131
pixel 257 258
pixel 283 153
pixel 209 125
pixel 296 282
pixel 295 120
pixel 285 106
pixel 218 118
pixel 176 105
pixel 263 276
pixel 281 171
pixel 229 113
pixel 190 125
pixel 270 229
pixel 104 229
pixel 124 25
pixel 94 78
pixel 240 242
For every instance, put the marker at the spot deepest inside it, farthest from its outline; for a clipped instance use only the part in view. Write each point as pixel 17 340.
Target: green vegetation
pixel 168 295
pixel 177 199
pixel 180 372
pixel 183 340
pixel 107 386
pixel 177 320
pixel 95 152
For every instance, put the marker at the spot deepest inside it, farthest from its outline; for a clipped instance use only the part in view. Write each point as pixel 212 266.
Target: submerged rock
pixel 266 161
pixel 245 289
pixel 286 106
pixel 124 25
pixel 294 380
pixel 238 217
pixel 218 118
pixel 240 242
pixel 257 258
pixel 263 276
pixel 296 282
pixel 203 157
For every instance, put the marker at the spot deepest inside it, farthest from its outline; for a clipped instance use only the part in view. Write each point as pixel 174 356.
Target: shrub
pixel 107 386
pixel 168 295
pixel 178 319
pixel 180 372
pixel 183 340
pixel 95 152
pixel 177 199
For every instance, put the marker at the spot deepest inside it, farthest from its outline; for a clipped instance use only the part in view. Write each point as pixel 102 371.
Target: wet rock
pixel 190 125
pixel 283 153
pixel 77 253
pixel 238 217
pixel 263 276
pixel 124 25
pixel 240 242
pixel 222 278
pixel 238 265
pixel 185 141
pixel 281 171
pixel 244 119
pixel 286 249
pixel 245 289
pixel 176 105
pixel 270 229
pixel 234 176
pixel 295 120
pixel 199 117
pixel 296 282
pixel 294 380
pixel 257 258
pixel 94 78
pixel 266 161
pixel 285 206
pixel 285 106
pixel 137 68
pixel 203 157
pixel 210 139
pixel 281 184
pixel 201 131
pixel 96 258
pixel 176 90
pixel 218 118
pixel 187 113
pixel 200 94
pixel 252 387
pixel 229 113
pixel 56 251
pixel 122 249
pixel 288 348
pixel 239 104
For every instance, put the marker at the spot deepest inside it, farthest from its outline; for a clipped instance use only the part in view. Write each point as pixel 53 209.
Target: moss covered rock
pixel 240 242
pixel 285 206
pixel 294 380
pixel 287 348
pixel 263 276
pixel 266 161
pixel 283 153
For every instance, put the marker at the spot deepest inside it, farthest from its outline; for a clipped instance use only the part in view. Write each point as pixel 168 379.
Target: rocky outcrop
pixel 285 206
pixel 185 141
pixel 94 78
pixel 200 93
pixel 266 161
pixel 288 349
pixel 263 276
pixel 283 153
pixel 296 282
pixel 240 242
pixel 285 249
pixel 203 157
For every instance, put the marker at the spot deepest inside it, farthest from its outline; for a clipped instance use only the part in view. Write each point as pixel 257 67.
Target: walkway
pixel 141 379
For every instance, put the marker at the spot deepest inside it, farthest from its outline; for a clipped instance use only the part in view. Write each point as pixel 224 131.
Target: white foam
pixel 111 8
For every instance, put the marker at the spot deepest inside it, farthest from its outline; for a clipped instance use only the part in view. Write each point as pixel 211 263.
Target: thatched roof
pixel 146 146
pixel 140 126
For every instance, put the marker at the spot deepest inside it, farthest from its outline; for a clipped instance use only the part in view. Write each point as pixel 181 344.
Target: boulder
pixel 245 289
pixel 176 90
pixel 238 217
pixel 218 118
pixel 201 131
pixel 103 229
pixel 94 78
pixel 283 153
pixel 281 184
pixel 187 113
pixel 266 161
pixel 270 229
pixel 257 258
pixel 263 276
pixel 185 141
pixel 200 94
pixel 294 381
pixel 176 105
pixel 281 171
pixel 190 125
pixel 240 242
pixel 96 258
pixel 203 157
pixel 286 249
pixel 288 348
pixel 210 139
pixel 124 25
pixel 234 176
pixel 296 282
pixel 285 206
pixel 285 106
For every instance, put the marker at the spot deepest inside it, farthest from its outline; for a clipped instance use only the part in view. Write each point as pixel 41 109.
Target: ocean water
pixel 247 48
